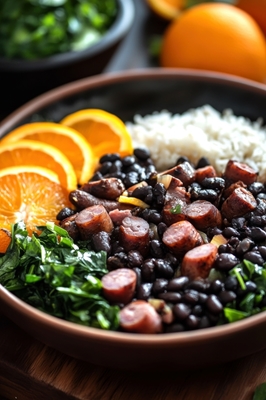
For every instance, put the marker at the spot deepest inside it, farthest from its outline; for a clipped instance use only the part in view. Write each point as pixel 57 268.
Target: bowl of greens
pixel 188 245
pixel 48 43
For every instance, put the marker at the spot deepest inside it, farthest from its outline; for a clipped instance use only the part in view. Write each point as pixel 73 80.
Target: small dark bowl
pixel 22 80
pixel 126 94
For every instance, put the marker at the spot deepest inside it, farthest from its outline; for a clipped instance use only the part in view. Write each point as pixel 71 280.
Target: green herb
pixel 31 29
pixel 260 392
pixel 176 209
pixel 59 277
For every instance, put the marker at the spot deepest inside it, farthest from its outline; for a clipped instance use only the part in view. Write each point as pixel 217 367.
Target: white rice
pixel 201 132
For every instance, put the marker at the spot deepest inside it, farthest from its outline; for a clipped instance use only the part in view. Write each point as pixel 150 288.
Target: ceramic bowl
pixel 127 94
pixel 22 80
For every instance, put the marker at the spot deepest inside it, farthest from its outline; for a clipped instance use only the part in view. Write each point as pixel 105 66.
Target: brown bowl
pixel 126 94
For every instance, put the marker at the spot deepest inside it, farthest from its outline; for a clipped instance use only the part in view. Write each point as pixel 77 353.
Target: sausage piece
pixel 140 317
pixel 110 188
pixel 181 237
pixel 82 200
pixel 237 171
pixel 240 202
pixel 198 262
pixel 203 215
pixel 117 216
pixel 184 172
pixel 175 197
pixel 119 285
pixel 205 172
pixel 92 220
pixel 134 235
pixel 69 224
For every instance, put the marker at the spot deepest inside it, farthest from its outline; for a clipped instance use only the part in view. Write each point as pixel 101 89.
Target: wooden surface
pixel 29 370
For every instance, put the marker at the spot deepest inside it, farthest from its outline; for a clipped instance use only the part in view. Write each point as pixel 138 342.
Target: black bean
pixel 116 247
pixel 244 246
pixel 176 284
pixel 161 228
pixel 207 194
pixel 204 322
pixel 262 250
pixel 238 223
pixel 226 296
pixel 138 273
pixel 213 231
pixel 105 167
pixel 190 296
pixel 148 270
pixel 144 291
pixel 156 249
pixel 202 162
pixel 261 196
pixel 192 321
pixel 202 298
pixel 155 217
pixel 257 234
pixel 231 283
pixel 255 257
pixel 198 285
pixel 117 261
pixel 170 297
pixel 65 213
pixel 142 153
pixel 216 286
pixel 174 328
pixel 256 187
pixel 101 241
pixel 230 231
pixel 250 286
pixel 171 259
pixel 134 168
pixel 135 259
pixel 130 179
pixel 159 193
pixel 116 167
pixel 96 177
pixel 256 220
pixel 225 261
pixel 182 159
pixel 128 160
pixel 159 285
pixel 109 157
pixel 163 269
pixel 215 183
pixel 181 310
pixel 141 192
pixel 213 304
pixel 197 310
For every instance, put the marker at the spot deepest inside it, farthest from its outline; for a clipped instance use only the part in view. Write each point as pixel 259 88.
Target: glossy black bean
pixel 202 298
pixel 225 261
pixel 144 291
pixel 182 159
pixel 226 296
pixel 155 217
pixel 135 259
pixel 216 286
pixel 244 246
pixel 109 157
pixel 159 193
pixel 163 269
pixel 213 231
pixel 65 213
pixel 128 160
pixel 101 241
pixel 181 311
pixel 116 247
pixel 261 196
pixel 204 322
pixel 256 187
pixel 148 270
pixel 234 241
pixel 229 232
pixel 105 167
pixel 161 228
pixel 172 260
pixel 256 220
pixel 176 284
pixel 198 285
pixel 142 192
pixel 190 297
pixel 192 321
pixel 134 168
pixel 131 179
pixel 257 234
pixel 197 310
pixel 175 328
pixel 170 297
pixel 96 177
pixel 116 261
pixel 202 162
pixel 156 249
pixel 116 167
pixel 255 257
pixel 142 153
pixel 262 250
pixel 159 285
pixel 231 283
pixel 250 286
pixel 213 304
pixel 207 194
pixel 238 223
pixel 215 183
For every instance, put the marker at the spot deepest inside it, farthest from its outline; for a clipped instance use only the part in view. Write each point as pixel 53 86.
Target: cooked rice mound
pixel 201 132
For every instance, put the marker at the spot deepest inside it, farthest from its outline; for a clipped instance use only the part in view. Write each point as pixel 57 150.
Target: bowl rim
pixel 119 28
pixel 80 85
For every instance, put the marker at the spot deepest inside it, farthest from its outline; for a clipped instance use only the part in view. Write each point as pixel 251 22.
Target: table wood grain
pixel 30 370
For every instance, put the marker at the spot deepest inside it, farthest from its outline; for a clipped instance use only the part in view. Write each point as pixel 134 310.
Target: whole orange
pixel 255 8
pixel 217 37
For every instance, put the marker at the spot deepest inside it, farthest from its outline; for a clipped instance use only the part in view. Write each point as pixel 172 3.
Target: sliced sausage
pixel 117 216
pixel 184 172
pixel 82 200
pixel 240 202
pixel 203 215
pixel 110 188
pixel 69 224
pixel 92 220
pixel 205 172
pixel 134 235
pixel 198 262
pixel 140 317
pixel 181 237
pixel 238 171
pixel 119 285
pixel 176 197
pixel 229 190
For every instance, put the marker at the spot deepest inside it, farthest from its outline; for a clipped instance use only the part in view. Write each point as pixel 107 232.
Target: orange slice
pixel 167 9
pixel 70 142
pixel 30 194
pixel 5 239
pixel 105 132
pixel 29 152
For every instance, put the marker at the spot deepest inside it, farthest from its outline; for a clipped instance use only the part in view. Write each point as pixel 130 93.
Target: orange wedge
pixel 70 142
pixel 105 132
pixel 167 9
pixel 30 152
pixel 30 194
pixel 5 239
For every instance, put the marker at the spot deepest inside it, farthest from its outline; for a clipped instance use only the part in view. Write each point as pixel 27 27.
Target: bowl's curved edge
pixel 117 31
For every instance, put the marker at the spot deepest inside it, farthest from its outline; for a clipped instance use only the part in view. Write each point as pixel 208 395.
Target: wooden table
pixel 30 370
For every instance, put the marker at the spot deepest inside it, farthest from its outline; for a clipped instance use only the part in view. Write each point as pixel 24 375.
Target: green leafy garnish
pixel 52 273
pixel 260 392
pixel 176 209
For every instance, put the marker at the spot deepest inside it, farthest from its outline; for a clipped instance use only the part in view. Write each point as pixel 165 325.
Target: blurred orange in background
pixel 257 10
